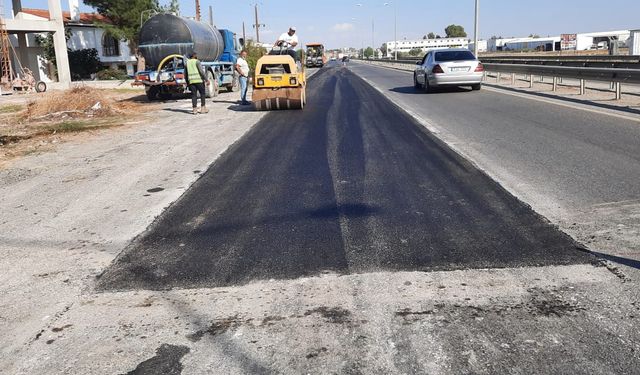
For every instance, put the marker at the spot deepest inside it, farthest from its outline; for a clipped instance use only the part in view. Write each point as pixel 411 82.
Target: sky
pixel 348 23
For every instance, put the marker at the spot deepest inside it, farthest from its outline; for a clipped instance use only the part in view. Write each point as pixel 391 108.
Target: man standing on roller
pixel 288 41
pixel 196 79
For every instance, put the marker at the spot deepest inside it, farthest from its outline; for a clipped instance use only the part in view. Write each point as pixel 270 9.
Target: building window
pixel 110 45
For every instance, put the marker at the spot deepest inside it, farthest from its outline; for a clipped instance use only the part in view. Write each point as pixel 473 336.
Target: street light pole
pixel 477 28
pixel 395 29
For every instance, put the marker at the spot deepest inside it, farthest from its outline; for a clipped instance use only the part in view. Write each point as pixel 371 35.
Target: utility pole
pixel 395 29
pixel 257 25
pixel 477 29
pixel 244 34
pixel 373 39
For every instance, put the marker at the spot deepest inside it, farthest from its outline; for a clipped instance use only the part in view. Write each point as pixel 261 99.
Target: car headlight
pixel 260 81
pixel 293 81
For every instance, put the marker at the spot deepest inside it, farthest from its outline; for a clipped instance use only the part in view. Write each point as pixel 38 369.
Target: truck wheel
pixel 152 93
pixel 211 90
pixel 233 86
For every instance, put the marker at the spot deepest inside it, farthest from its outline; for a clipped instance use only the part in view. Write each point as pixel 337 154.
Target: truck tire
pixel 233 86
pixel 152 93
pixel 212 89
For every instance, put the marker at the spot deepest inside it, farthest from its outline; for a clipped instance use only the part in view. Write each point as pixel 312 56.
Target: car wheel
pixel 476 87
pixel 426 87
pixel 416 84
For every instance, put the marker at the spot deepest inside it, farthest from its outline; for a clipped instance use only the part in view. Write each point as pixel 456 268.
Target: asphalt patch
pixel 166 361
pixel 352 184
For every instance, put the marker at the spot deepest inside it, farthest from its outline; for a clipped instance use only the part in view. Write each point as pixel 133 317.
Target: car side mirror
pixel 419 63
pixel 241 41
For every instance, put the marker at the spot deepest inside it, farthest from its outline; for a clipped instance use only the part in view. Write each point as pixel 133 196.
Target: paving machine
pixel 279 82
pixel 315 55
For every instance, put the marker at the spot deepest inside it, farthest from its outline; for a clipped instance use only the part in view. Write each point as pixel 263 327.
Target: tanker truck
pixel 166 40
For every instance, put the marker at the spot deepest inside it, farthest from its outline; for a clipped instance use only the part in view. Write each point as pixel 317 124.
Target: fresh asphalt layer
pixel 352 184
pixel 569 157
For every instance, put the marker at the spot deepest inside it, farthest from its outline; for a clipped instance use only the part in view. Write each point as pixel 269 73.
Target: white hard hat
pixel 292 28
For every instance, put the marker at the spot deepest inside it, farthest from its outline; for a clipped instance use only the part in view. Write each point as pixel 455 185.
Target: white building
pixel 482 46
pixel 585 41
pixel 112 53
pixel 425 44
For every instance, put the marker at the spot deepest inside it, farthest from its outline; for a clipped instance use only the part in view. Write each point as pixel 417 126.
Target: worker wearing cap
pixel 196 78
pixel 288 40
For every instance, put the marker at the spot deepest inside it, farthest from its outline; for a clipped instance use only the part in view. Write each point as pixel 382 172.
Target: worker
pixel 242 67
pixel 196 79
pixel 289 41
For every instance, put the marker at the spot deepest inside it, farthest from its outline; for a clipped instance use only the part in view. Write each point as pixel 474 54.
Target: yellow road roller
pixel 278 84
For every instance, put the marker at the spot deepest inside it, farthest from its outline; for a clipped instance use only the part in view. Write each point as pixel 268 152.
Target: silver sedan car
pixel 448 67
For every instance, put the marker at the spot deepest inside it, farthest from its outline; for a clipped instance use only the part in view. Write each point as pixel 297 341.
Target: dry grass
pixel 76 102
pixel 40 121
pixel 12 108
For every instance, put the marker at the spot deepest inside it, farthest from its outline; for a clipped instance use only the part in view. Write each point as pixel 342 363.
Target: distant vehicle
pixel 315 55
pixel 448 67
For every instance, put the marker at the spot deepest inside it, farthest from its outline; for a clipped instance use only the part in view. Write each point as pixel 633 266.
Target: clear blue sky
pixel 341 23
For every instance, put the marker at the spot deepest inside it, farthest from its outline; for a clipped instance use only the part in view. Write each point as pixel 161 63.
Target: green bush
pixel 112 74
pixel 84 63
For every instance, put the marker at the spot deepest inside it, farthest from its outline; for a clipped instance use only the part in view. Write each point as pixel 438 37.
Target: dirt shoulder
pixel 67 211
pixel 35 123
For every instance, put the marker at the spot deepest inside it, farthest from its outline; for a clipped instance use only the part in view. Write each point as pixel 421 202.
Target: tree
pixel 438 36
pixel 368 52
pixel 173 7
pixel 455 31
pixel 415 52
pixel 49 52
pixel 84 63
pixel 383 49
pixel 534 36
pixel 254 52
pixel 124 18
pixel 431 36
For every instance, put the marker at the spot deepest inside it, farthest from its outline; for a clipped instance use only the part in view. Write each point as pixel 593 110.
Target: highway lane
pixel 351 184
pixel 569 158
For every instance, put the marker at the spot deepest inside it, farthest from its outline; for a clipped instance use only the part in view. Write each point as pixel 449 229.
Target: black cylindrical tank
pixel 166 34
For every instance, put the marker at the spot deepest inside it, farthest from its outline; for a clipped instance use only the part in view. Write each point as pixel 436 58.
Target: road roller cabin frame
pixel 279 84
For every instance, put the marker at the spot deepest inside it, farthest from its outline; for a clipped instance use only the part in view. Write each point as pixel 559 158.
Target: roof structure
pixel 85 18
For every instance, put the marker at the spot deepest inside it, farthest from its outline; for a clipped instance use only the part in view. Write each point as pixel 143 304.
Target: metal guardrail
pixel 622 62
pixel 587 74
pixel 597 61
pixel 617 76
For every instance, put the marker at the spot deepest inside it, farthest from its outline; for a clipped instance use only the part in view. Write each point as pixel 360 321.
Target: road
pixel 350 185
pixel 342 239
pixel 578 168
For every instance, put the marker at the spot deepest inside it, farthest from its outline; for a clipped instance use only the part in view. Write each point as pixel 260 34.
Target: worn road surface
pixel 350 185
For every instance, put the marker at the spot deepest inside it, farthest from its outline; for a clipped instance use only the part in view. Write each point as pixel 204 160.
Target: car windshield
pixel 454 56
